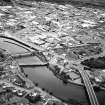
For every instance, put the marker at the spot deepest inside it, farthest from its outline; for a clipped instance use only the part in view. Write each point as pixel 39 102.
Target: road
pixel 87 83
pixel 88 86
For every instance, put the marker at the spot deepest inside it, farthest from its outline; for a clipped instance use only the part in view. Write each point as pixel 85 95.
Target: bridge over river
pixel 38 71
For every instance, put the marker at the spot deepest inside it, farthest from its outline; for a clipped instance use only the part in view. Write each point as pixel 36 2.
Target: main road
pixel 88 85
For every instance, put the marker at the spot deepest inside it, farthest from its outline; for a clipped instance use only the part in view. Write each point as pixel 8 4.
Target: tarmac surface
pixel 67 34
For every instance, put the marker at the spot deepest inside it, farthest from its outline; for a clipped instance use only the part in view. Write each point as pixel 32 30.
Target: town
pixel 52 52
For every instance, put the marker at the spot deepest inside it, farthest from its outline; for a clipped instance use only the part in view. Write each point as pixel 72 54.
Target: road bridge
pixel 88 86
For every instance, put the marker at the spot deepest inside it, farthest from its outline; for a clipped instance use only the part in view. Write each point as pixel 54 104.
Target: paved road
pixel 88 85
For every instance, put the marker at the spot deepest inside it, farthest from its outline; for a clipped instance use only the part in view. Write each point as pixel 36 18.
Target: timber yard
pixel 52 52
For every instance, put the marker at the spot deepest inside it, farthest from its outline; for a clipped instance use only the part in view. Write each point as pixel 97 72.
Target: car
pixel 20 93
pixel 14 90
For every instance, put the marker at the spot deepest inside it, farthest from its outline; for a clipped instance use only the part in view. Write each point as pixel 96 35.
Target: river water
pixel 49 82
pixel 46 79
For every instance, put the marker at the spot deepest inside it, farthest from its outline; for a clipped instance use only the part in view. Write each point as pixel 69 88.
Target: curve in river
pixel 47 80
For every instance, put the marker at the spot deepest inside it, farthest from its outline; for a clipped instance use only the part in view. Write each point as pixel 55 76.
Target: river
pixel 47 81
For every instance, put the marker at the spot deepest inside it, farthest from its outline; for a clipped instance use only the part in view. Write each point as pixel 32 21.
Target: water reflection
pixel 47 81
